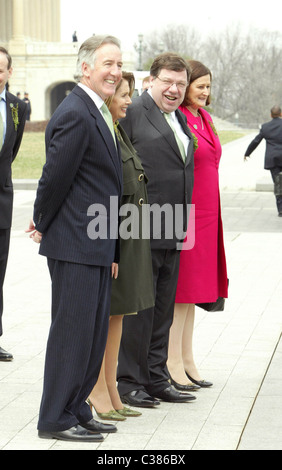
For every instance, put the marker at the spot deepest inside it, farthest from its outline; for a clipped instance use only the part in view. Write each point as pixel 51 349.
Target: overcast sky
pixel 126 18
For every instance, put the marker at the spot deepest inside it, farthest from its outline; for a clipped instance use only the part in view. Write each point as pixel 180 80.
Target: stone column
pixel 18 20
pixel 5 21
pixel 17 46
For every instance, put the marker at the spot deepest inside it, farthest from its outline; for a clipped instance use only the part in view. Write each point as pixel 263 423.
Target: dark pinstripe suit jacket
pixel 82 168
pixel 7 155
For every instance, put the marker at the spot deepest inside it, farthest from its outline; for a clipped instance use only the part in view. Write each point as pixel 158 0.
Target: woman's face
pixel 199 91
pixel 120 101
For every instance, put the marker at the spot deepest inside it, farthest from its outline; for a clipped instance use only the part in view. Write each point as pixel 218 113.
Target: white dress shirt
pixel 96 98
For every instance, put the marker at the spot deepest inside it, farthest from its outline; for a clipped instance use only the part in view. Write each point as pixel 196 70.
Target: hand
pixel 34 234
pixel 115 270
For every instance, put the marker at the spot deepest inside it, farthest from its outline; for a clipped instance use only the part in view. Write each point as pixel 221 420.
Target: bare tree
pixel 183 39
pixel 246 67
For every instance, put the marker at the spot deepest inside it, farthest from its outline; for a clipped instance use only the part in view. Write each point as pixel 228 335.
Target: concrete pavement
pixel 239 350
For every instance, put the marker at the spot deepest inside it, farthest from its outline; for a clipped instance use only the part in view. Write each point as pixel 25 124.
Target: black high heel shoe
pixel 200 383
pixel 184 388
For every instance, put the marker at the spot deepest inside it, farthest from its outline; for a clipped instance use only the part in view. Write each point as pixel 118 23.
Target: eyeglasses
pixel 170 83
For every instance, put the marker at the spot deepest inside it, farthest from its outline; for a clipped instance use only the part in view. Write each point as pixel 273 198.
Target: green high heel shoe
pixel 128 412
pixel 111 415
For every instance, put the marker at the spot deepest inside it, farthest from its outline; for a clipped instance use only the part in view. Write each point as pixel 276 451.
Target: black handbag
pixel 217 306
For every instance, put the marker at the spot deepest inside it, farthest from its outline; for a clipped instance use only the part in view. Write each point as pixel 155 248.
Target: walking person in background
pixel 271 131
pixel 12 121
pixel 28 104
pixel 202 272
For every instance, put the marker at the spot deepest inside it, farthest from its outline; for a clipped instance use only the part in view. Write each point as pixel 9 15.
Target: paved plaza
pixel 239 350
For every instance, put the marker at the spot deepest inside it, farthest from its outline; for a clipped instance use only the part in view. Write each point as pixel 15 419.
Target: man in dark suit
pixel 272 133
pixel 142 372
pixel 83 169
pixel 28 104
pixel 12 122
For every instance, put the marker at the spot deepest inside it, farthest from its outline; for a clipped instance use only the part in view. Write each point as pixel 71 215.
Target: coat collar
pixel 207 122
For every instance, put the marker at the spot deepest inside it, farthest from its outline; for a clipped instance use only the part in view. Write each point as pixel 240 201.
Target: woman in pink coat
pixel 202 274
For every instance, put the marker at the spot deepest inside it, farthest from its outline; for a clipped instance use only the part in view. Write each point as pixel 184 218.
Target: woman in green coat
pixel 132 288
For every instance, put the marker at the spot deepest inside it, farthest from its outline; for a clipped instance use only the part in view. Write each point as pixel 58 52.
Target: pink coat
pixel 202 273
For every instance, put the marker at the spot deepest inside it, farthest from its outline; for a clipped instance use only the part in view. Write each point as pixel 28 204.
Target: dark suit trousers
pixel 144 343
pixel 4 251
pixel 275 172
pixel 76 343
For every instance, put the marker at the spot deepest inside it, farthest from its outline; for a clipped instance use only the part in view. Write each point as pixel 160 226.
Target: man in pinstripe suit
pixel 82 167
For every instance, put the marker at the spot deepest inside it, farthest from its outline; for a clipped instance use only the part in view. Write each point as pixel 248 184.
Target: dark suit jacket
pixel 170 181
pixel 272 132
pixel 82 168
pixel 7 155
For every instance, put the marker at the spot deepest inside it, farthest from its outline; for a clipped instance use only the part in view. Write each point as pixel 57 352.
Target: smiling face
pixel 199 91
pixel 168 89
pixel 120 101
pixel 5 73
pixel 106 73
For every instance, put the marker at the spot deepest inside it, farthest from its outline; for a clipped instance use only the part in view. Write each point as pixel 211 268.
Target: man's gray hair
pixel 88 49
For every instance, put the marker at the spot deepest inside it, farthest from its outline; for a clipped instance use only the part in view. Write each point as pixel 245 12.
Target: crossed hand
pixel 34 234
pixel 37 237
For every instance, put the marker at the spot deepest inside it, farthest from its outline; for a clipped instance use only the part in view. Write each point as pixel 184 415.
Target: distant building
pixel 43 65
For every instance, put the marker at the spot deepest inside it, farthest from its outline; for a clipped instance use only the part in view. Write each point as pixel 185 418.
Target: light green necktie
pixel 1 128
pixel 177 138
pixel 109 120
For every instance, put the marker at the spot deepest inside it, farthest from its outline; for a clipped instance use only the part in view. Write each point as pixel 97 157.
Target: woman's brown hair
pixel 197 70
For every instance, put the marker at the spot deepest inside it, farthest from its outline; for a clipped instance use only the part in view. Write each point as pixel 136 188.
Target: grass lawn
pixel 31 156
pixel 228 136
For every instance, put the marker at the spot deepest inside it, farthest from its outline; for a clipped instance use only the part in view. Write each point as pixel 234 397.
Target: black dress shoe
pixel 76 433
pixel 97 427
pixel 201 383
pixel 139 398
pixel 172 395
pixel 184 388
pixel 5 356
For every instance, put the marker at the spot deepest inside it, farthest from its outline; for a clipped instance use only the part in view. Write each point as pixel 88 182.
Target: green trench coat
pixel 133 290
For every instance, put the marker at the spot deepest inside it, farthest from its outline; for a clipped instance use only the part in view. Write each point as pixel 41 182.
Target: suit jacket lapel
pixel 107 136
pixel 114 150
pixel 209 137
pixel 211 129
pixel 103 129
pixel 182 119
pixel 9 123
pixel 155 116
